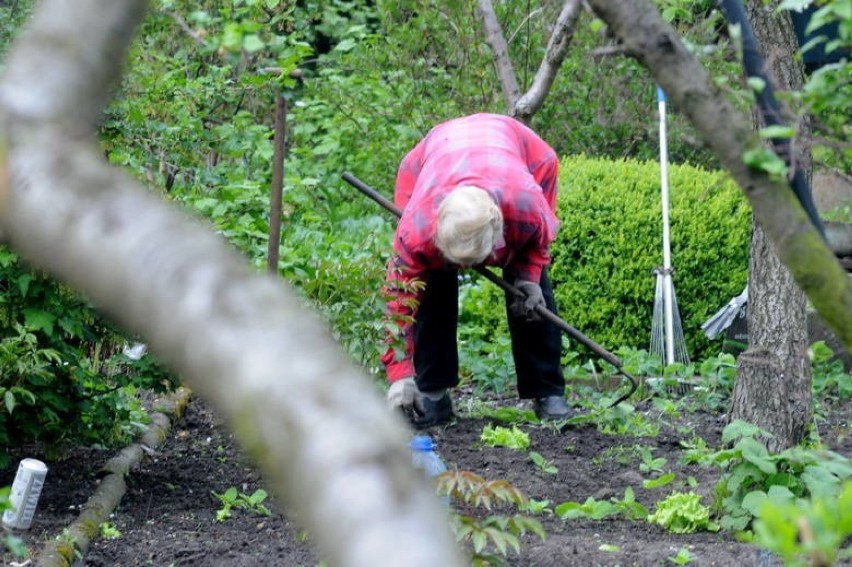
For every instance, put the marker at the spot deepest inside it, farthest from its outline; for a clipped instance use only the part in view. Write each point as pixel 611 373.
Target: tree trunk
pixel 656 45
pixel 773 387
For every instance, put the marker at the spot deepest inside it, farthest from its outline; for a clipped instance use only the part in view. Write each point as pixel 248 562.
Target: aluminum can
pixel 26 490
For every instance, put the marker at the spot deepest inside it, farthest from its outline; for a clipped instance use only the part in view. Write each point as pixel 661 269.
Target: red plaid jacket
pixel 491 151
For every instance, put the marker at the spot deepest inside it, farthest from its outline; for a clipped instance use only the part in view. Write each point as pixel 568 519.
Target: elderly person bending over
pixel 477 190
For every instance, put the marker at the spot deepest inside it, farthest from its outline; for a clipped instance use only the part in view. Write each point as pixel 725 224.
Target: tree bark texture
pixel 773 386
pixel 243 340
pixel 729 133
pixel 276 187
pixel 502 62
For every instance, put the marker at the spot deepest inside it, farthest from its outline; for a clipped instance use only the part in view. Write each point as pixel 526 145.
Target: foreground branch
pixel 657 46
pixel 298 405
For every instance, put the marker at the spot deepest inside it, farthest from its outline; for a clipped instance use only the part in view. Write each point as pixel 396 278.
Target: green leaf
pixel 39 320
pixel 9 399
pixel 252 43
pixel 772 132
pixel 661 480
pixel 753 501
pixel 755 452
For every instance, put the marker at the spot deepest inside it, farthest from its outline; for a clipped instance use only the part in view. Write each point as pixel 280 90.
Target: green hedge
pixel 610 241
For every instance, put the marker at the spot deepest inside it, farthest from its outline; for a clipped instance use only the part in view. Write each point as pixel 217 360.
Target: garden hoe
pixel 542 311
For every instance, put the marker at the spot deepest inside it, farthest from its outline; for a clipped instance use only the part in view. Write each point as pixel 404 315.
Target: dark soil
pixel 168 515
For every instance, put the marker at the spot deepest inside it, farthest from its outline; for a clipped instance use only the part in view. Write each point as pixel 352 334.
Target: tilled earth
pixel 168 515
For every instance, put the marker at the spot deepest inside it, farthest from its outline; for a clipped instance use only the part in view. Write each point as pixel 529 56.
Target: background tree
pixel 773 387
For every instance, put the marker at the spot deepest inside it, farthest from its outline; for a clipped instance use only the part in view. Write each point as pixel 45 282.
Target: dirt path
pixel 168 517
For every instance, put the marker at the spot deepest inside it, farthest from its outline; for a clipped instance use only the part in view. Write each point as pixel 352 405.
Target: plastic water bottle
pixel 425 458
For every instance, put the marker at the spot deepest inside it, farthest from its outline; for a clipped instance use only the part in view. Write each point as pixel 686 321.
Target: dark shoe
pixel 435 412
pixel 551 408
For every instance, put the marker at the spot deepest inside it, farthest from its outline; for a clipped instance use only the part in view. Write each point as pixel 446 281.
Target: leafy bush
pixel 489 539
pixel 63 377
pixel 753 475
pixel 803 531
pixel 610 241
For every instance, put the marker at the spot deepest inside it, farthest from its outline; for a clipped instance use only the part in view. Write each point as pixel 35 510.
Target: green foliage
pixel 619 420
pixel 12 543
pixel 752 475
pixel 683 557
pixel 492 537
pixel 234 499
pixel 830 381
pixel 593 509
pixel 109 531
pixel 498 436
pixel 63 377
pixel 544 465
pixel 683 513
pixel 804 531
pixel 610 240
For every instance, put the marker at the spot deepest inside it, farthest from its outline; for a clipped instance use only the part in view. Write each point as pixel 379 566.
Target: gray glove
pixel 524 307
pixel 404 396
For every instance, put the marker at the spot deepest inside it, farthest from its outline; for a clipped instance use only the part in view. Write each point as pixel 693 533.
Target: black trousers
pixel 536 345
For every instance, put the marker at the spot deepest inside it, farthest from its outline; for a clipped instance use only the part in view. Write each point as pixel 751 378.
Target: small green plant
pixel 619 420
pixel 594 509
pixel 546 466
pixel 683 557
pixel 830 381
pixel 232 498
pixel 683 513
pixel 752 474
pixel 661 480
pixel 490 538
pixel 696 451
pixel 622 454
pixel 11 542
pixel 650 464
pixel 499 436
pixel 109 531
pixel 507 415
pixel 806 531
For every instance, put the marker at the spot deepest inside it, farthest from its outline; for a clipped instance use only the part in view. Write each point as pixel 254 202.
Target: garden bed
pixel 169 514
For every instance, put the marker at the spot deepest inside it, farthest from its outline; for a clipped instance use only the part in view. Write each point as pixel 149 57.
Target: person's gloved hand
pixel 404 396
pixel 525 306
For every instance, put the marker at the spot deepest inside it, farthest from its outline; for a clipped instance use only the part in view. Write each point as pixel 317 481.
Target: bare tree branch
pixel 298 405
pixel 729 133
pixel 557 47
pixel 502 62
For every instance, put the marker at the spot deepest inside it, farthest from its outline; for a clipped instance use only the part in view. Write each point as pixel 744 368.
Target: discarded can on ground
pixel 25 493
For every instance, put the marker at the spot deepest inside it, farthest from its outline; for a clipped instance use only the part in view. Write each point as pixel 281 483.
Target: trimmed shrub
pixel 610 241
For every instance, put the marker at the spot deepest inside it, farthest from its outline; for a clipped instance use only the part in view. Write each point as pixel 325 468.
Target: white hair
pixel 469 226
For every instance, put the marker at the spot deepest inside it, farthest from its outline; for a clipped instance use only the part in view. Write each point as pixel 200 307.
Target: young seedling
pixel 544 465
pixel 109 531
pixel 232 498
pixel 499 436
pixel 493 537
pixel 683 557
